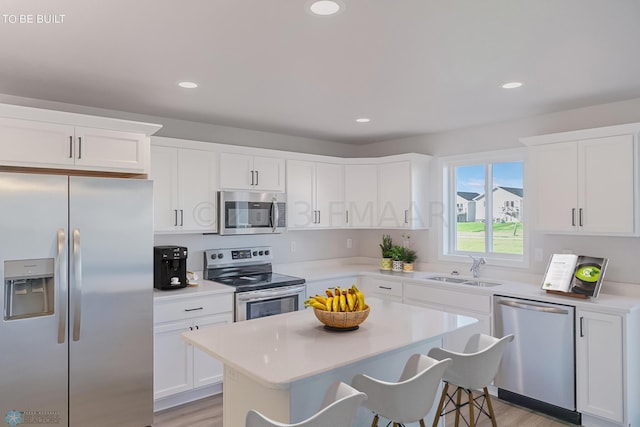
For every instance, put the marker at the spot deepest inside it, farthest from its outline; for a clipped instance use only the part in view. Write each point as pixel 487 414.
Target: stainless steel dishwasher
pixel 538 367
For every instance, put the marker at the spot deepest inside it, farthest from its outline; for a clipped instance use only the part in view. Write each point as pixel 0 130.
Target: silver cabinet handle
pixel 77 280
pixel 406 214
pixel 347 217
pixel 194 309
pixel 318 217
pixel 181 217
pixel 580 217
pixel 581 326
pixel 533 307
pixel 253 178
pixel 573 217
pixel 61 279
pixel 175 217
pixel 71 146
pixel 79 147
pixel 257 178
pixel 385 287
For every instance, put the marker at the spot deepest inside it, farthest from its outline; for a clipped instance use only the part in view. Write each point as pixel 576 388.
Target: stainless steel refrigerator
pixel 76 337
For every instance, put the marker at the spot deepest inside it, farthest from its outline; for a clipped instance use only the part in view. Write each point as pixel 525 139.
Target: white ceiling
pixel 412 66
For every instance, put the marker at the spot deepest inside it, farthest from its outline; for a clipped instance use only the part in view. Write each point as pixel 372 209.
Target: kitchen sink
pixel 470 282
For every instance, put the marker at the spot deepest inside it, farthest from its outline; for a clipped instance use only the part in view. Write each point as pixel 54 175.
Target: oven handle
pixel 264 294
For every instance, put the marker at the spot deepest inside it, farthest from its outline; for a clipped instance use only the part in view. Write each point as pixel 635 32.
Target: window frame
pixel 447 188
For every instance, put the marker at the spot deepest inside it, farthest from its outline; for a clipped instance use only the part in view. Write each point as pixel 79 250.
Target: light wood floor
pixel 208 413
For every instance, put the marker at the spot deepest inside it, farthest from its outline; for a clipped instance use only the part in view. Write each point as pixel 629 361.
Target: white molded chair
pixel 408 400
pixel 339 408
pixel 472 370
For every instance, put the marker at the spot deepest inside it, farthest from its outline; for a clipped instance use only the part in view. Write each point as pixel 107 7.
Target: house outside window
pixel 484 205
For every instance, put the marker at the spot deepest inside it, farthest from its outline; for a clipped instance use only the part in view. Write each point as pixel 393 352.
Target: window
pixel 484 199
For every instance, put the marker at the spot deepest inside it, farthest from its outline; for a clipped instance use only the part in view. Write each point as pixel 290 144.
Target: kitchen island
pixel 281 365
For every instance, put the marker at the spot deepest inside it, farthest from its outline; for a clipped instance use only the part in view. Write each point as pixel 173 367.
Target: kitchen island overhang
pixel 281 365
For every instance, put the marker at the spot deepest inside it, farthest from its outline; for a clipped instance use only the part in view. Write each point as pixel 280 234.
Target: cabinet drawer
pixel 382 287
pixel 187 308
pixel 467 301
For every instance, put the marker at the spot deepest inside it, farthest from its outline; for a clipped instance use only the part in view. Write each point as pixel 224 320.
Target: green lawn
pixel 471 237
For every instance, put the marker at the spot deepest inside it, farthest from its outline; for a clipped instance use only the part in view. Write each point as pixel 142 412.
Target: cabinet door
pixel 206 369
pixel 394 195
pixel 555 171
pixel 27 143
pixel 196 190
pixel 606 192
pixel 236 172
pixel 111 150
pixel 269 173
pixel 361 195
pixel 330 194
pixel 164 173
pixel 599 365
pixel 300 194
pixel 172 360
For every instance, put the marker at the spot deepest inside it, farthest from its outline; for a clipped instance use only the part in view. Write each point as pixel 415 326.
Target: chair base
pixel 374 423
pixel 478 402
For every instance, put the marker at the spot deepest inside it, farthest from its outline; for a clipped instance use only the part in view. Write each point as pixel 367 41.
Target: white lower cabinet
pixel 317 287
pixel 179 367
pixel 390 290
pixel 453 301
pixel 601 369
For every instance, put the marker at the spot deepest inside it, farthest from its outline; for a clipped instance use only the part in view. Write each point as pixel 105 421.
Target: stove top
pixel 246 269
pixel 256 282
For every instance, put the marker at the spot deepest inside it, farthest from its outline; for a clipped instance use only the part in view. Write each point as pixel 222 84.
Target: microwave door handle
pixel 275 215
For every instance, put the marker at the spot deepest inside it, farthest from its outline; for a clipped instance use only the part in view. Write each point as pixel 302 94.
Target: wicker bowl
pixel 342 320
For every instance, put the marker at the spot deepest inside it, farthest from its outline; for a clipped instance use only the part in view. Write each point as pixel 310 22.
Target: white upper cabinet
pixel 587 185
pixel 184 189
pixel 361 195
pixel 394 195
pixel 245 172
pixel 37 138
pixel 315 196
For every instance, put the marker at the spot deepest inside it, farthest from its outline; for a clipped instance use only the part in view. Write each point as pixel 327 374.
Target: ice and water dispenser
pixel 28 288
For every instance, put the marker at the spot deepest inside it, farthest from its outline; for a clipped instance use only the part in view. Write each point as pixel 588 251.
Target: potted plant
pixel 397 255
pixel 409 257
pixel 385 246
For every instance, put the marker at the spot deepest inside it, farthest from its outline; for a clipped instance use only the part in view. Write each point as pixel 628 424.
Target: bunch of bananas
pixel 339 300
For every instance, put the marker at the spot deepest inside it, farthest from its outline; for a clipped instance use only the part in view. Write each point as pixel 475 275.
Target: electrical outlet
pixel 349 243
pixel 293 246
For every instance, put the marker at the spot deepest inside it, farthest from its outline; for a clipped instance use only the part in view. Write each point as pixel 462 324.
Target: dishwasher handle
pixel 532 307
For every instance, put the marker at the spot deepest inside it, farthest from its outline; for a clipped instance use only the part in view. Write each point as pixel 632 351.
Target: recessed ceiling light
pixel 188 85
pixel 363 120
pixel 511 85
pixel 325 7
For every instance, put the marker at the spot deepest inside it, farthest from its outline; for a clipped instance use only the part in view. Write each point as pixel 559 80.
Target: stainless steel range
pixel 259 291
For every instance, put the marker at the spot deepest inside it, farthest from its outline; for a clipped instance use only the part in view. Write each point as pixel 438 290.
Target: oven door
pixel 245 212
pixel 268 302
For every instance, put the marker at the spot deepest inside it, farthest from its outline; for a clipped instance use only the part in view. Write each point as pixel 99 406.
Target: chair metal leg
pixel 374 423
pixel 440 405
pixel 490 406
pixel 458 399
pixel 472 420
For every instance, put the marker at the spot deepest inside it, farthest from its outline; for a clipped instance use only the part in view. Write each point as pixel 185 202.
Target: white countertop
pixel 279 350
pixel 195 289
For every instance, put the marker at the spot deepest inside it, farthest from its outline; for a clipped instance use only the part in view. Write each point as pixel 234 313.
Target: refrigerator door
pixel 34 347
pixel 111 307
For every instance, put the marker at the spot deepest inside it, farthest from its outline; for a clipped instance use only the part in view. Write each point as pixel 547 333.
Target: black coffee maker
pixel 169 267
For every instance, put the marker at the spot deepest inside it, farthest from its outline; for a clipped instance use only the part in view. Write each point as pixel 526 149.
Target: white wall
pixel 623 252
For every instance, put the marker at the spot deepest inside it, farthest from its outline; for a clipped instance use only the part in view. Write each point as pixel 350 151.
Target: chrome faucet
pixel 475 268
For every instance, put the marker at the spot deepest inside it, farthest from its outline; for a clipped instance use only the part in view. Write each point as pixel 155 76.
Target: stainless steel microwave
pixel 249 212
